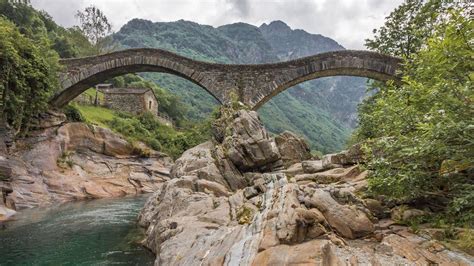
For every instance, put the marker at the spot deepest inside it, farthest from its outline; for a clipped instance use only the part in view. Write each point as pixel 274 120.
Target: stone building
pixel 135 101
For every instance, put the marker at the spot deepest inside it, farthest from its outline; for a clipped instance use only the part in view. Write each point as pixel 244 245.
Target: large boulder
pixel 347 220
pixel 197 161
pixel 292 148
pixel 248 144
pixel 80 136
pixel 200 162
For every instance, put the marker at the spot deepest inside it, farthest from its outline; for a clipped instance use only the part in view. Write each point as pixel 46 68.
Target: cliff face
pixel 323 110
pixel 76 161
pixel 248 199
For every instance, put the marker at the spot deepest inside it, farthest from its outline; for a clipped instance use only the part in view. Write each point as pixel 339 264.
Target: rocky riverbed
pixel 242 198
pixel 246 198
pixel 72 161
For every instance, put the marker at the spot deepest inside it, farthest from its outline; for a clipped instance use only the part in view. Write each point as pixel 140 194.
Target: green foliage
pixel 423 138
pixel 406 28
pixel 39 26
pixel 147 129
pixel 465 241
pixel 73 114
pixel 27 76
pixel 95 26
pixel 160 137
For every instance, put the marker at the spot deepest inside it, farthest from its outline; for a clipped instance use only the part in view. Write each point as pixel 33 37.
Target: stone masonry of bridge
pixel 254 84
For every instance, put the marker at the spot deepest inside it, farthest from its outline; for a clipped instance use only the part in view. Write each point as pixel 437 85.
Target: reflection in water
pixel 98 232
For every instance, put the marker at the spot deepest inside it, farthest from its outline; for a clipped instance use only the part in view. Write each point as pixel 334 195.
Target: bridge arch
pixel 254 84
pixel 339 63
pixel 79 74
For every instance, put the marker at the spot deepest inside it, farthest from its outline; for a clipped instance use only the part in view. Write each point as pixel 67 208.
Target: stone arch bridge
pixel 254 84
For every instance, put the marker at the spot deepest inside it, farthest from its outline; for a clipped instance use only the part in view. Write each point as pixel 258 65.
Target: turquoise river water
pixel 97 232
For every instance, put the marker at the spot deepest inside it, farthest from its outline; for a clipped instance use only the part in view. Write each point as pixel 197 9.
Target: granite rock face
pixel 271 217
pixel 248 145
pixel 76 161
pixel 293 149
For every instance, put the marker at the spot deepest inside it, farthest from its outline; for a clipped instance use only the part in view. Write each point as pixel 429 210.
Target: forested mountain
pixel 323 110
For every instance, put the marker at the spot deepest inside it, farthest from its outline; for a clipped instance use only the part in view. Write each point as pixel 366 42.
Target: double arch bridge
pixel 254 84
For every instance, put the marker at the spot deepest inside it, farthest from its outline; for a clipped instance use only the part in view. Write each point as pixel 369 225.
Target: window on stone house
pixel 149 105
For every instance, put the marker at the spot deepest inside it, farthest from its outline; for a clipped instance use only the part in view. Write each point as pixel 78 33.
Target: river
pixel 96 232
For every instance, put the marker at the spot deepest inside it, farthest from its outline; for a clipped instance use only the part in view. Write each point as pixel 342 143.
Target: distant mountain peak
pixel 276 25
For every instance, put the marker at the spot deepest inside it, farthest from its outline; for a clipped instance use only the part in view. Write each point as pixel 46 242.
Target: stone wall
pixel 150 102
pixel 132 103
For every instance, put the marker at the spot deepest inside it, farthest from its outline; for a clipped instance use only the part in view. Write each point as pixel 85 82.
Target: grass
pixel 91 92
pixel 96 115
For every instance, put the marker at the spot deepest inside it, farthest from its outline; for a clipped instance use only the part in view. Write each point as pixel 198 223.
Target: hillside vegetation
pixel 323 110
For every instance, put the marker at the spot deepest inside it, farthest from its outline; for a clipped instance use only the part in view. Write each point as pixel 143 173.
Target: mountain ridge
pixel 322 110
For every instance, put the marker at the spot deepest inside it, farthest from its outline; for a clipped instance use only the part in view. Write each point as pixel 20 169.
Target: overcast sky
pixel 348 22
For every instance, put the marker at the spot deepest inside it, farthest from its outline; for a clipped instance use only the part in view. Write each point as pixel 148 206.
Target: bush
pixel 148 129
pixel 73 114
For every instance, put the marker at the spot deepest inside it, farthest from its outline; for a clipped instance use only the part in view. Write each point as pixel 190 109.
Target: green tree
pixel 40 27
pixel 422 134
pixel 95 26
pixel 406 28
pixel 27 76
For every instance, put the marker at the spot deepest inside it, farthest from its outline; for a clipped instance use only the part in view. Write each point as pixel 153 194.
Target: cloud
pixel 349 22
pixel 241 6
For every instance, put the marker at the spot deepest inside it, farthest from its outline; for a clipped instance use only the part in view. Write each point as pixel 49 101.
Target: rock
pixel 49 119
pixel 5 169
pixel 330 176
pixel 79 136
pixel 186 225
pixel 346 220
pixel 78 162
pixel 248 145
pixel 355 154
pixel 250 192
pixel 212 187
pixel 316 252
pixel 228 170
pixel 375 207
pixel 311 167
pixel 198 161
pixel 294 169
pixel 292 148
pixel 402 213
pixel 418 255
pixel 336 158
pixel 6 213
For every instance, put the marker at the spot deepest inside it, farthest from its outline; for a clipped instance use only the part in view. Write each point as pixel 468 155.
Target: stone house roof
pixel 126 91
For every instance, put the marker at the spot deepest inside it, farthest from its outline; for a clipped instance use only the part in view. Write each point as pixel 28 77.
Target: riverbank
pixel 75 161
